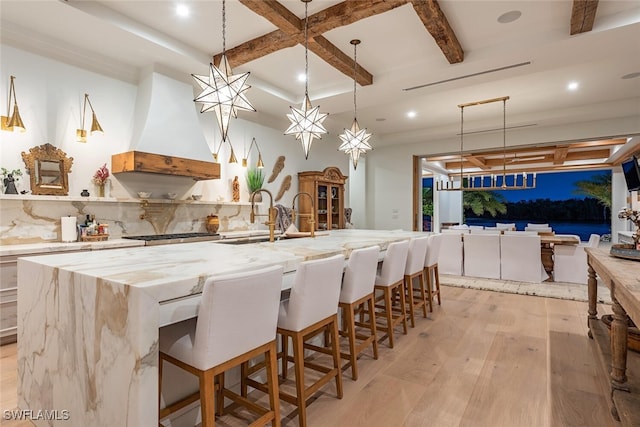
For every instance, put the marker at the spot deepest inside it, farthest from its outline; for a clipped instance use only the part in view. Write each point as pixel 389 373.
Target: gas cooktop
pixel 163 239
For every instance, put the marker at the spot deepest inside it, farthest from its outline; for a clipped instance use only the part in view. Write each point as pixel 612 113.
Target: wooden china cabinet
pixel 327 190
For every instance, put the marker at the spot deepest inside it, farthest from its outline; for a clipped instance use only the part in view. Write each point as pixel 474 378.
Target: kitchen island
pixel 88 322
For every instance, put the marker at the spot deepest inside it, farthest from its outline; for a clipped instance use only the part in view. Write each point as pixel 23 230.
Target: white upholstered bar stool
pixel 570 261
pixel 236 322
pixel 389 281
pixel 416 297
pixel 357 290
pixel 431 274
pixel 311 308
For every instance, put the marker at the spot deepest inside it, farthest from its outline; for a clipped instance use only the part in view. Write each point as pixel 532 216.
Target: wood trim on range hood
pixel 137 161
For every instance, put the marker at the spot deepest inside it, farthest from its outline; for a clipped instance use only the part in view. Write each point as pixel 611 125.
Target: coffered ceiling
pixel 416 55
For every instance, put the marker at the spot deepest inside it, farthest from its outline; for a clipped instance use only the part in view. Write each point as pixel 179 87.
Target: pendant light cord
pixel 355 58
pixel 504 142
pixel 306 49
pixel 224 28
pixel 461 140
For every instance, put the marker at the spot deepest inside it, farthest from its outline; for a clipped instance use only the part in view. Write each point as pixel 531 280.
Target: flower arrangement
pixel 101 176
pixel 634 217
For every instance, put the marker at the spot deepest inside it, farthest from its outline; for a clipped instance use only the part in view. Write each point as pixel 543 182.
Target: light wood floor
pixel 482 359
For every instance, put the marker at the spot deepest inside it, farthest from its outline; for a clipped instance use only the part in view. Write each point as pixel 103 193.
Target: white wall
pixel 50 96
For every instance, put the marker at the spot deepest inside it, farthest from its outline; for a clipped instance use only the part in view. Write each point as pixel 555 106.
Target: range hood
pixel 138 161
pixel 167 135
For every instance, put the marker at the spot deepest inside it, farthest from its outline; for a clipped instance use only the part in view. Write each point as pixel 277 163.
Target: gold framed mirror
pixel 48 168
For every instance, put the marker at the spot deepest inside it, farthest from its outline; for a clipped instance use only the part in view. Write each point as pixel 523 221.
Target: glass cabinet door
pixel 335 206
pixel 323 207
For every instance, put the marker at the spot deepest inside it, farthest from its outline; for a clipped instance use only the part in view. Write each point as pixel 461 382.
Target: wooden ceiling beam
pixel 342 62
pixel 438 26
pixel 292 27
pixel 583 14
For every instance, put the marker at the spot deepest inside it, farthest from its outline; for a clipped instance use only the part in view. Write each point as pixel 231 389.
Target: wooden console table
pixel 622 368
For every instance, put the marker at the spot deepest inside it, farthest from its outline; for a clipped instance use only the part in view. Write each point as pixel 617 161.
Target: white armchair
pixel 570 261
pixel 450 257
pixel 520 258
pixel 482 255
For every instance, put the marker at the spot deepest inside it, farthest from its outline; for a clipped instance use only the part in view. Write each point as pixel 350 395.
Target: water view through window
pixel 570 202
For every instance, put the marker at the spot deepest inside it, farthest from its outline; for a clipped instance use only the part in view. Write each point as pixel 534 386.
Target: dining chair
pixel 236 322
pixel 482 255
pixel 570 261
pixel 521 258
pixel 450 257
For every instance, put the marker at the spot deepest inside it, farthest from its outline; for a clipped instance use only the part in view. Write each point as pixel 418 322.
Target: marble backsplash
pixel 35 219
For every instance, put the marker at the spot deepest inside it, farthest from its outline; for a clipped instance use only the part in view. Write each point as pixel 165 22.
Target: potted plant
pixel 255 179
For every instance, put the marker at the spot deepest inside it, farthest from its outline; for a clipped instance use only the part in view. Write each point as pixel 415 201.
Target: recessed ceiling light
pixel 302 77
pixel 508 17
pixel 411 114
pixel 573 86
pixel 182 10
pixel 631 75
pixel 380 119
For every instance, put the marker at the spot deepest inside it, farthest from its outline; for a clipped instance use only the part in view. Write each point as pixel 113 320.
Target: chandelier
pixel 484 182
pixel 222 91
pixel 355 141
pixel 306 121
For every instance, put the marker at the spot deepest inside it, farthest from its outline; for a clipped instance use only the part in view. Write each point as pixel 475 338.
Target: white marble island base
pixel 88 322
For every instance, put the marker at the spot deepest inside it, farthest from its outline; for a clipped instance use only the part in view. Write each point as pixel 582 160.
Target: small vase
pixel 101 190
pixel 257 198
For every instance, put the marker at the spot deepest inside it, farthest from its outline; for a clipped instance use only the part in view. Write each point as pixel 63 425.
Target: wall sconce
pixel 12 121
pixel 260 163
pixel 232 157
pixel 81 134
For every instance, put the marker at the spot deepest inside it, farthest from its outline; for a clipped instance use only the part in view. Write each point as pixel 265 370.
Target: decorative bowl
pixel 172 196
pixel 144 194
pixel 196 196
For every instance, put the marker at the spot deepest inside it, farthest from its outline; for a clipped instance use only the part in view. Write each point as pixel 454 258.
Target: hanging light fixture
pixel 484 182
pixel 222 91
pixel 355 141
pixel 81 134
pixel 306 121
pixel 260 163
pixel 12 121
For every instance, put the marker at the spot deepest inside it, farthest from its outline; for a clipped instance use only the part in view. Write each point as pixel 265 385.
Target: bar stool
pixel 431 274
pixel 390 281
pixel 312 308
pixel 357 290
pixel 414 268
pixel 236 322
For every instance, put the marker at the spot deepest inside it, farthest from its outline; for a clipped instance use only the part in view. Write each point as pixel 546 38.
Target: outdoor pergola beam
pixel 436 23
pixel 560 155
pixel 477 161
pixel 583 15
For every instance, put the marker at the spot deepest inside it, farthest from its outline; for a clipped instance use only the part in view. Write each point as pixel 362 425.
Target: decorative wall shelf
pixel 117 200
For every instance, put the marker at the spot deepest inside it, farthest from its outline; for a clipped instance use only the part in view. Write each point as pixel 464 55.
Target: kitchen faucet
pixel 271 215
pixel 310 216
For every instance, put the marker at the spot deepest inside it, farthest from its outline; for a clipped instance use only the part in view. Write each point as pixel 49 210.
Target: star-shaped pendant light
pixel 306 122
pixel 222 91
pixel 355 141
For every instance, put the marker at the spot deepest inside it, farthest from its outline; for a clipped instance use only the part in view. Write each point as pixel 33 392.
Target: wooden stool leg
pixel 429 288
pixel 423 296
pixel 244 370
pixel 159 381
pixel 348 314
pixel 272 382
pixel 220 394
pixel 409 295
pixel 335 345
pixel 388 315
pixel 285 355
pixel 372 325
pixel 437 276
pixel 298 364
pixel 403 306
pixel 207 392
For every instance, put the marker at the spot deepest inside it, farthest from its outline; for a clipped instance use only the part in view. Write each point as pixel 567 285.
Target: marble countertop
pixel 48 247
pixel 172 271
